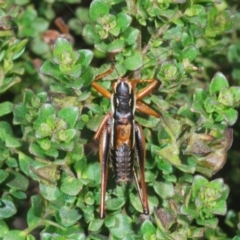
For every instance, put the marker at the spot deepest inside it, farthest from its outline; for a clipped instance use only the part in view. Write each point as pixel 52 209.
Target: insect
pixel 120 136
pixel 121 139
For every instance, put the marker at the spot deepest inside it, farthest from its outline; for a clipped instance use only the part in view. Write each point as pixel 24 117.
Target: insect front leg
pixel 141 155
pixel 98 87
pixel 140 106
pixel 153 83
pixel 104 161
pixel 102 126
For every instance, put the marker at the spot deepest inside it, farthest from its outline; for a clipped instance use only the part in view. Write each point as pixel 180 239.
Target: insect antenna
pixel 115 68
pixel 73 12
pixel 70 9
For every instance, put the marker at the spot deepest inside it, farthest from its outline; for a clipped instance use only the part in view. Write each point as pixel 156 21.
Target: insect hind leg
pixel 140 155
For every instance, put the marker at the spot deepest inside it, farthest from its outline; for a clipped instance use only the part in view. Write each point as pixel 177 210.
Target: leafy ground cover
pixel 50 173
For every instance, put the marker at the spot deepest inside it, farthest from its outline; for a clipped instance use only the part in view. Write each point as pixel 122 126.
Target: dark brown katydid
pixel 121 139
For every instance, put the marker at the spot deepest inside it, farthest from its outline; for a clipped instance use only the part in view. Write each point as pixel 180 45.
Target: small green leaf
pixel 164 166
pixel 135 201
pixel 15 235
pixel 36 150
pixel 148 227
pixel 51 193
pixel 71 186
pixel 66 135
pixel 173 33
pixel 115 203
pixel 3 228
pixel 7 208
pixel 230 116
pixel 116 46
pixel 226 97
pixel 194 10
pixel 50 69
pixel 164 189
pixel 61 46
pixel 200 95
pixel 36 211
pixel 3 175
pixel 20 112
pixel 236 93
pixel 90 34
pixel 19 48
pixel 8 82
pixel 37 205
pixel 45 121
pixel 150 176
pixel 122 227
pixel 130 35
pixel 123 21
pixel 94 122
pixel 18 194
pixel 89 199
pixel 6 135
pixel 45 143
pixel 11 162
pixel 211 223
pixel 85 57
pixel 18 181
pixel 198 182
pixel 5 108
pixel 68 216
pixel 43 130
pixel 46 115
pixel 70 115
pixel 98 8
pixel 92 172
pixel 168 154
pixel 86 77
pixel 134 61
pixel 189 52
pixel 12 142
pixel 218 82
pixel 32 219
pixel 95 225
pixel 220 208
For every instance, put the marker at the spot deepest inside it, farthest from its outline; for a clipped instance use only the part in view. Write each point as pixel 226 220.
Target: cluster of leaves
pixel 11 49
pixel 187 145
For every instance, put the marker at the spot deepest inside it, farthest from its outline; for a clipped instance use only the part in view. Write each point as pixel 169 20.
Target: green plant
pixel 54 147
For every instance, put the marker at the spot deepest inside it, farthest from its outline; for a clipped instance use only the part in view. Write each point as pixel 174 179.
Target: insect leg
pixel 138 187
pixel 98 87
pixel 104 161
pixel 142 107
pixel 102 126
pixel 63 27
pixel 140 152
pixel 148 89
pixel 104 74
pixel 102 90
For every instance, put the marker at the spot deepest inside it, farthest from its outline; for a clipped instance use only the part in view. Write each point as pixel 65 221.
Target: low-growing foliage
pixel 50 172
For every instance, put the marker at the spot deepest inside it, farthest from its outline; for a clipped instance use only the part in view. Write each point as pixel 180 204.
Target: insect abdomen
pixel 122 161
